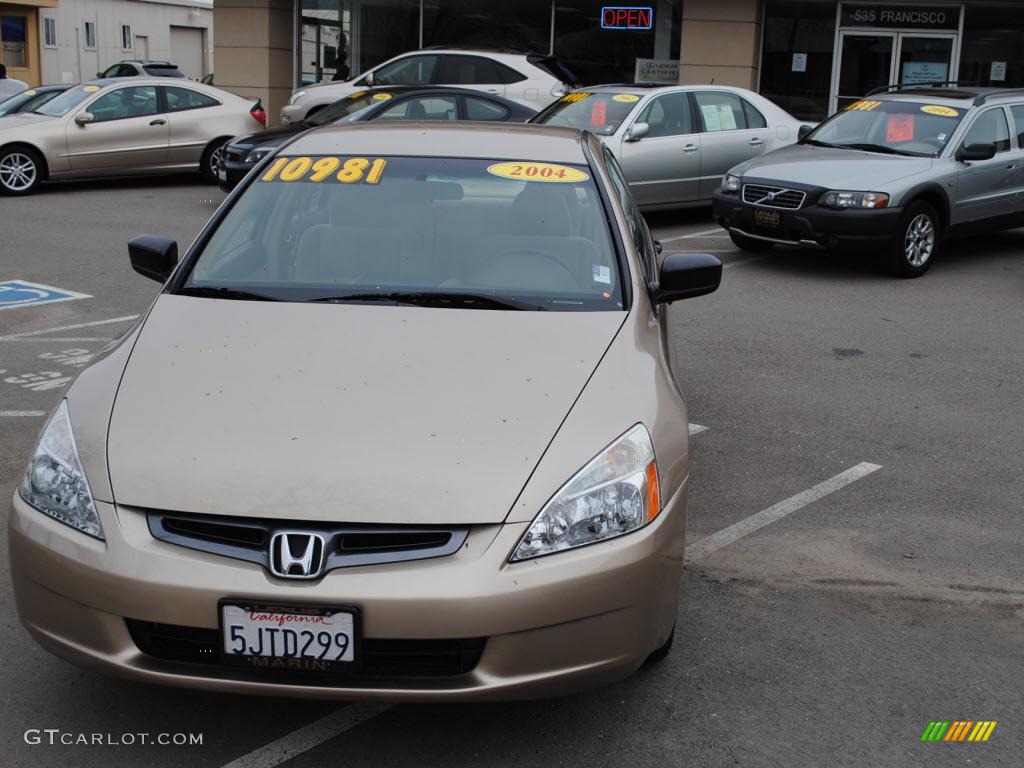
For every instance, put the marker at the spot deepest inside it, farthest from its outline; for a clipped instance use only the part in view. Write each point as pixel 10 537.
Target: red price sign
pixel 899 128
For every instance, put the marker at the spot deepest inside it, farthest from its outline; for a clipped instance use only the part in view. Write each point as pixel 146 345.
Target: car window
pixel 482 109
pixel 310 228
pixel 111 71
pixel 625 199
pixel 668 115
pixel 720 111
pixel 509 75
pixel 601 112
pixel 349 109
pixel 469 70
pixel 990 127
pixel 126 70
pixel 162 70
pixel 754 117
pixel 422 108
pixel 122 103
pixel 181 99
pixel 412 70
pixel 1018 119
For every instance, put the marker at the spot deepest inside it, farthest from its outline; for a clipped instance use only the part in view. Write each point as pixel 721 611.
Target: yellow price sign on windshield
pixel 526 171
pixel 935 109
pixel 863 106
pixel 627 98
pixel 571 98
pixel 351 170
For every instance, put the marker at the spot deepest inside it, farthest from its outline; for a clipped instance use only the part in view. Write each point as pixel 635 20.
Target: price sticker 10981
pixel 352 170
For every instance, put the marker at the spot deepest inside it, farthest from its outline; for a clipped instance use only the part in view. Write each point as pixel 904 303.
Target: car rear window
pixel 601 113
pixel 312 228
pixel 555 68
pixel 921 128
pixel 162 70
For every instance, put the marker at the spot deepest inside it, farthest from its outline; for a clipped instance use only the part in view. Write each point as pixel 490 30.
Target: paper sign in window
pixel 899 128
pixel 598 114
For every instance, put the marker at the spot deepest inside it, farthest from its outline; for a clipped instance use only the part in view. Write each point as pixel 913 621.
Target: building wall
pixel 71 61
pixel 720 42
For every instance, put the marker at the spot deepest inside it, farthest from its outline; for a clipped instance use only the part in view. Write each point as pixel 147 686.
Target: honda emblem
pixel 297 554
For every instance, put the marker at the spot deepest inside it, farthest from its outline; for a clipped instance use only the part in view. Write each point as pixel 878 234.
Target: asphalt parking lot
pixel 854 569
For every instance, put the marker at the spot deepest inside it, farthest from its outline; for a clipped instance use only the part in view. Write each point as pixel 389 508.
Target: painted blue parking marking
pixel 21 293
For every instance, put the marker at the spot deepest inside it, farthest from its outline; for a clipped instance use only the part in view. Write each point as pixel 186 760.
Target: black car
pixel 29 100
pixel 384 103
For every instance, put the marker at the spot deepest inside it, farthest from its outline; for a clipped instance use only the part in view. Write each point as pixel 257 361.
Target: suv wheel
pixel 752 244
pixel 21 171
pixel 917 241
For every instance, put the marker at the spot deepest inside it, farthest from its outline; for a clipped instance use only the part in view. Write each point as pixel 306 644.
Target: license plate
pixel 289 637
pixel 767 219
pixel 222 173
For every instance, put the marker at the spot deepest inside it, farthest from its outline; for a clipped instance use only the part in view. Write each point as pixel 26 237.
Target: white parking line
pixel 741 262
pixel 696 429
pixel 304 739
pixel 776 512
pixel 22 413
pixel 46 331
pixel 716 232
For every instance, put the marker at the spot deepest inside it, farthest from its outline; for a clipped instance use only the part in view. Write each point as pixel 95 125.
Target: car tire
pixel 211 158
pixel 21 171
pixel 751 244
pixel 917 241
pixel 661 653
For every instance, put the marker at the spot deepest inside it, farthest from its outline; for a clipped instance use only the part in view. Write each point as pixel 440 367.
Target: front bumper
pixel 812 225
pixel 552 626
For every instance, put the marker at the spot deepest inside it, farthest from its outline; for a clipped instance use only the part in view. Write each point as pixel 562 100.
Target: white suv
pixel 529 79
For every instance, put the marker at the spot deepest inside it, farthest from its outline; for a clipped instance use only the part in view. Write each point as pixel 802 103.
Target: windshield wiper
pixel 872 148
pixel 815 143
pixel 432 298
pixel 223 293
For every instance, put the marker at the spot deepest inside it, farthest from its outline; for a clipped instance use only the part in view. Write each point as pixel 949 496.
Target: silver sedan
pixel 675 143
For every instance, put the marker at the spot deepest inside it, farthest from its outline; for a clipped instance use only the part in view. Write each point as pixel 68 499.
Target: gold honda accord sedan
pixel 399 425
pixel 122 126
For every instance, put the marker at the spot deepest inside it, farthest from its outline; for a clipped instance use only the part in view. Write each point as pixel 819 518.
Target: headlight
pixel 258 154
pixel 617 492
pixel 855 199
pixel 296 96
pixel 731 183
pixel 55 482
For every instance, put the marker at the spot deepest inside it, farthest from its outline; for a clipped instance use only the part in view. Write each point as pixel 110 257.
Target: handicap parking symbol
pixel 21 293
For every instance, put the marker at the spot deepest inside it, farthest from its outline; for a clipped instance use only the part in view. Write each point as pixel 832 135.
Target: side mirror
pixel 802 132
pixel 153 256
pixel 84 118
pixel 637 131
pixel 368 79
pixel 99 74
pixel 685 276
pixel 976 152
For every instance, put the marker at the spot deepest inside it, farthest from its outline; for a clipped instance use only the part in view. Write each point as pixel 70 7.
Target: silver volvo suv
pixel 893 174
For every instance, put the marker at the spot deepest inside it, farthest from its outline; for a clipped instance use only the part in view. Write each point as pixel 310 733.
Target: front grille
pixel 346 545
pixel 382 659
pixel 237 155
pixel 773 197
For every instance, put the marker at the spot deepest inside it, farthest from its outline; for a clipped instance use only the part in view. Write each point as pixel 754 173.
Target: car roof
pixel 645 88
pixel 443 139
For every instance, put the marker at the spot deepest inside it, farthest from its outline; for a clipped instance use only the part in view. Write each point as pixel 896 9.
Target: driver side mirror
pixel 99 74
pixel 153 256
pixel 82 119
pixel 368 79
pixel 637 131
pixel 686 276
pixel 803 131
pixel 970 152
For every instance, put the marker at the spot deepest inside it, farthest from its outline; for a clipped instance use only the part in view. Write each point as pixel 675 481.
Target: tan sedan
pixel 122 126
pixel 400 425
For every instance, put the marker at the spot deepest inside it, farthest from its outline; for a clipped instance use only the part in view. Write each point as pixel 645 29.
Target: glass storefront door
pixel 870 60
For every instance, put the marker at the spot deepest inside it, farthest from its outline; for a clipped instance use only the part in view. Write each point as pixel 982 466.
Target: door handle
pixel 158 121
pixel 755 142
pixel 690 148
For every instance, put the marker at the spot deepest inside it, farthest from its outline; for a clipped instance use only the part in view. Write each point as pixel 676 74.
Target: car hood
pixel 345 413
pixel 833 168
pixel 22 121
pixel 273 136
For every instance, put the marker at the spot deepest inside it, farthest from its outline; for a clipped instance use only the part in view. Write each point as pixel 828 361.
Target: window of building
pixel 49 32
pixel 796 56
pixel 13 37
pixel 523 25
pixel 90 34
pixel 992 47
pixel 482 109
pixel 422 108
pixel 126 37
pixel 123 103
pixel 990 128
pixel 668 115
pixel 181 99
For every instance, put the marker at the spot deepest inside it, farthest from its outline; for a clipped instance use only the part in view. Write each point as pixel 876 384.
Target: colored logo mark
pixel 958 730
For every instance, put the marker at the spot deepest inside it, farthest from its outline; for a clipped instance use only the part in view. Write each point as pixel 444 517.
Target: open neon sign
pixel 630 17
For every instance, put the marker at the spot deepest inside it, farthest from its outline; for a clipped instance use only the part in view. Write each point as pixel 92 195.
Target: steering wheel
pixel 547 256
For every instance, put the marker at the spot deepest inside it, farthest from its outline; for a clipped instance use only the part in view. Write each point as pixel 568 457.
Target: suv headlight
pixel 55 482
pixel 616 493
pixel 258 154
pixel 836 199
pixel 296 96
pixel 731 183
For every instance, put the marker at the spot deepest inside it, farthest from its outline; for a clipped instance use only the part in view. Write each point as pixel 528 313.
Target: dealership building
pixel 810 56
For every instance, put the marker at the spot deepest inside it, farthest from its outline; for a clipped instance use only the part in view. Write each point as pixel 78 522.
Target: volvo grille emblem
pixel 771 196
pixel 296 554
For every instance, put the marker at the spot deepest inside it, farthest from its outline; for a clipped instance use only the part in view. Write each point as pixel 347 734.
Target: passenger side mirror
pixel 84 118
pixel 802 131
pixel 153 256
pixel 976 152
pixel 637 131
pixel 685 276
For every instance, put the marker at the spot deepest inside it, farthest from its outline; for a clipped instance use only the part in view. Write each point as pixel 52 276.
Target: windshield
pixel 67 101
pixel 518 235
pixel 601 113
pixel 897 127
pixel 346 109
